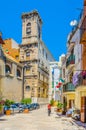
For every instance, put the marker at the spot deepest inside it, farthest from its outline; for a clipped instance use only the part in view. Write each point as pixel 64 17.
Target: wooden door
pixel 83 109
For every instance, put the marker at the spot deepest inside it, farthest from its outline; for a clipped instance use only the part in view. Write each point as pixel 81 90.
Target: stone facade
pixel 10 76
pixel 31 59
pixel 35 56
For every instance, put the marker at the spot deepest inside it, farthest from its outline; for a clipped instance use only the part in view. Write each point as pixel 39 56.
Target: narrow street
pixel 37 120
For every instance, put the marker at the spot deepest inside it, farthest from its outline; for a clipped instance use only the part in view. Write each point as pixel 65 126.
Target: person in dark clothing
pixel 49 109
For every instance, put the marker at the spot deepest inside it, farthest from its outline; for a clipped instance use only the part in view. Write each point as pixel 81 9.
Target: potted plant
pixel 52 102
pixel 7 107
pixel 25 102
pixel 59 107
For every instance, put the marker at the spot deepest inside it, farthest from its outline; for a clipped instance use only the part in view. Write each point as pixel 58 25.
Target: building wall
pixel 69 96
pixel 34 19
pixel 80 92
pixel 77 51
pixel 54 77
pixel 37 77
pixel 11 48
pixel 10 84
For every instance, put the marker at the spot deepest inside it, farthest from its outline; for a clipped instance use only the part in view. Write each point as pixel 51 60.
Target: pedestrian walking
pixel 49 109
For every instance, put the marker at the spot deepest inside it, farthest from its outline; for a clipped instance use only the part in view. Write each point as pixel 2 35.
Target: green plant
pixel 1 104
pixel 12 102
pixel 8 103
pixel 59 105
pixel 64 105
pixel 26 101
pixel 52 101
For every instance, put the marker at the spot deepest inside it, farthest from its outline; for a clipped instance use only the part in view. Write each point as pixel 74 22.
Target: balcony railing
pixel 70 60
pixel 68 87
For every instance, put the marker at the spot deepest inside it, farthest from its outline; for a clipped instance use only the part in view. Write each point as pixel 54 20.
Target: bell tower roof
pixel 31 14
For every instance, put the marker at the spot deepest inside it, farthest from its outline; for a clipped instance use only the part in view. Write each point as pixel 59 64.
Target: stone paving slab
pixel 37 120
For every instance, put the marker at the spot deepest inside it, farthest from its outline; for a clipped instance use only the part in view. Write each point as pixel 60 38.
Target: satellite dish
pixel 73 23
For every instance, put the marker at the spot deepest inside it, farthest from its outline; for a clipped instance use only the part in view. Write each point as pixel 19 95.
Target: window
pixel 63 73
pixel 43 51
pixel 18 73
pixel 46 56
pixel 36 45
pixel 28 24
pixel 32 89
pixel 17 57
pixel 39 89
pixel 39 75
pixel 28 28
pixel 27 88
pixel 7 69
pixel 27 53
pixel 39 31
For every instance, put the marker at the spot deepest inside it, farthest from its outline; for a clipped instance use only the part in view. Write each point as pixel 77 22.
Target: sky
pixel 56 16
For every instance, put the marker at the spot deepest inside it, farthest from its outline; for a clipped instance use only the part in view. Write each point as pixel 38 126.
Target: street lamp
pixel 23 83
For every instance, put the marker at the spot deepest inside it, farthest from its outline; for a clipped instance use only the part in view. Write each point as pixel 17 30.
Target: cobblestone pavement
pixel 37 120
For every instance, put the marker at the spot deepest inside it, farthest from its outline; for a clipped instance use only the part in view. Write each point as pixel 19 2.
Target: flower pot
pixel 26 111
pixel 8 112
pixel 59 110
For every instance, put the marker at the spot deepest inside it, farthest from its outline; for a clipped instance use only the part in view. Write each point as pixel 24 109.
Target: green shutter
pixel 52 84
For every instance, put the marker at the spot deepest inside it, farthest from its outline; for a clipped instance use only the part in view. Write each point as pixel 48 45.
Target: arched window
pixel 27 88
pixel 18 73
pixel 28 24
pixel 28 28
pixel 7 69
pixel 39 89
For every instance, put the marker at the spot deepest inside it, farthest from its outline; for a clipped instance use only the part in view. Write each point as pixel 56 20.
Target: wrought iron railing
pixel 68 87
pixel 70 60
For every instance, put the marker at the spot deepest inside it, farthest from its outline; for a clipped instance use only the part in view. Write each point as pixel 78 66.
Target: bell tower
pixel 31 27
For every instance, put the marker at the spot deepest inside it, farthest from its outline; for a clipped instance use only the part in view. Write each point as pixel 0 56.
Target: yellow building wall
pixel 12 51
pixel 69 96
pixel 80 91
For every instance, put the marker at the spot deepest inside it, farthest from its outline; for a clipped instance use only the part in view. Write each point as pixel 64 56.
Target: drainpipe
pixel 23 84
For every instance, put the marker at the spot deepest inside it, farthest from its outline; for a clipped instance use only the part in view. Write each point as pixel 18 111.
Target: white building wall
pixel 77 50
pixel 54 77
pixel 15 44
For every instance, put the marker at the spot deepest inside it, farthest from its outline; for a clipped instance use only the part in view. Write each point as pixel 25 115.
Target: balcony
pixel 69 87
pixel 70 60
